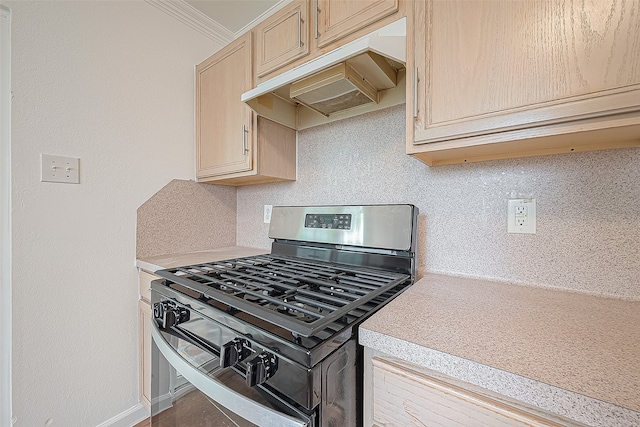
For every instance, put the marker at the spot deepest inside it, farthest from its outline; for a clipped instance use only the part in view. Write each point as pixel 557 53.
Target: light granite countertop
pixel 160 262
pixel 569 353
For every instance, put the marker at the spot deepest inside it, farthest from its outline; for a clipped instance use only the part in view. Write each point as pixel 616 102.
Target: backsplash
pixel 588 220
pixel 185 216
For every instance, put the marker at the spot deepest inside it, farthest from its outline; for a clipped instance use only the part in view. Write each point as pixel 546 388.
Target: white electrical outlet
pixel 59 169
pixel 521 216
pixel 267 213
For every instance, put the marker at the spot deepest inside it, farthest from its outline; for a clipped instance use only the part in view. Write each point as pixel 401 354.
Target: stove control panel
pixel 332 221
pixel 261 368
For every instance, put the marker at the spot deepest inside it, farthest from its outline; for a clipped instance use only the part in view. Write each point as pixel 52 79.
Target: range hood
pixel 343 79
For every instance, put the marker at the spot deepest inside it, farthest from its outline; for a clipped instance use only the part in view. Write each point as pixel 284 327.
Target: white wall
pixel 5 216
pixel 112 83
pixel 588 222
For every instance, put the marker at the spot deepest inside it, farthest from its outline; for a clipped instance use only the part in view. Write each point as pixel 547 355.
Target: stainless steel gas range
pixel 273 338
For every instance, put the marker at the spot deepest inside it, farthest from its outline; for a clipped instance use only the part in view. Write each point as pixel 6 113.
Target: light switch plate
pixel 521 216
pixel 59 169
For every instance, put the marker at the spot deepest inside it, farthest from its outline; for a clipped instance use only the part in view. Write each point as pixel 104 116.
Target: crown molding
pixel 195 19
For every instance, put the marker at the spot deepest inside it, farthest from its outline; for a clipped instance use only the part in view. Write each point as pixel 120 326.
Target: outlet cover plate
pixel 59 169
pixel 521 216
pixel 267 213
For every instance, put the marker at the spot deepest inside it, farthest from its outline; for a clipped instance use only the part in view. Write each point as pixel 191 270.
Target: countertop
pixel 160 262
pixel 573 354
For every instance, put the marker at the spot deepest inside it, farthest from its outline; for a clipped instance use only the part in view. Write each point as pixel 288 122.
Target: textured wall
pixel 185 216
pixel 111 83
pixel 588 219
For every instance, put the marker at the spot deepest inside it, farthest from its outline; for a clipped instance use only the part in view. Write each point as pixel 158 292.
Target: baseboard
pixel 161 403
pixel 134 415
pixel 128 418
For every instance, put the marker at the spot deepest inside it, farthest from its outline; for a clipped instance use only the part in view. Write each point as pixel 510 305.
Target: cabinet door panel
pixel 283 38
pixel 223 122
pixel 338 18
pixel 492 66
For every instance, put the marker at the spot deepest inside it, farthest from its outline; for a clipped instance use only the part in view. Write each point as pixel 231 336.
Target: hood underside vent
pixel 349 84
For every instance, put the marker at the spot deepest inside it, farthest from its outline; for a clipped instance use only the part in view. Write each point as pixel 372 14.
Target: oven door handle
pixel 230 399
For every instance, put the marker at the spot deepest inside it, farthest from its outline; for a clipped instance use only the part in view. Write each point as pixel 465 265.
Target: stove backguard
pixel 375 236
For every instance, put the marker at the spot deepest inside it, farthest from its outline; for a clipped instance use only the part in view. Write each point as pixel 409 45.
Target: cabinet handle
pixel 245 150
pixel 300 44
pixel 415 92
pixel 315 15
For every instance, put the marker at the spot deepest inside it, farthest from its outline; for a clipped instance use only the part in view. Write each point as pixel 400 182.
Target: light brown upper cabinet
pixel 282 38
pixel 334 19
pixel 500 79
pixel 306 29
pixel 232 146
pixel 224 127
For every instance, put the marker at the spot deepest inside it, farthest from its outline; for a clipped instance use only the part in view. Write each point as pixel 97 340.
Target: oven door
pixel 190 389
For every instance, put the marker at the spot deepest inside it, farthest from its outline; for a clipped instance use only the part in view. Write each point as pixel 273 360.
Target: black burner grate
pixel 301 296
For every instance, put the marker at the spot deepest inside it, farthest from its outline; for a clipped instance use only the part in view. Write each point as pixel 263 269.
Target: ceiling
pixel 234 15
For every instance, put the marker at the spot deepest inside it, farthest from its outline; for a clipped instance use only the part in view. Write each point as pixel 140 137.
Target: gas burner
pixel 294 312
pixel 229 289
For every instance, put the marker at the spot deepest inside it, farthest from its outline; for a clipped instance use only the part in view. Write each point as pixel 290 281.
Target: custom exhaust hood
pixel 351 76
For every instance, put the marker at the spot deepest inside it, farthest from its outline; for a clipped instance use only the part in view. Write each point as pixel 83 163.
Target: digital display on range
pixel 333 221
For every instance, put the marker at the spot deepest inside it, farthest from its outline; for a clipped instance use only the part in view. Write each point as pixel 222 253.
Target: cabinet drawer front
pixel 144 282
pixel 283 38
pixel 404 398
pixel 338 18
pixel 488 67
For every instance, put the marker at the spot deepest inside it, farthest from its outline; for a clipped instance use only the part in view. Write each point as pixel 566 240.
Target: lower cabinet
pixel 397 395
pixel 144 338
pixel 144 352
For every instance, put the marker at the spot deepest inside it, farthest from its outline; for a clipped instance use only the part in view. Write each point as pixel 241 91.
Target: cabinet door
pixel 283 38
pixel 402 397
pixel 224 130
pixel 485 67
pixel 338 18
pixel 144 352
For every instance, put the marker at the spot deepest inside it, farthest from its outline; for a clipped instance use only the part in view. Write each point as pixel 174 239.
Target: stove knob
pixel 181 314
pixel 168 315
pixel 234 352
pixel 158 310
pixel 261 368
